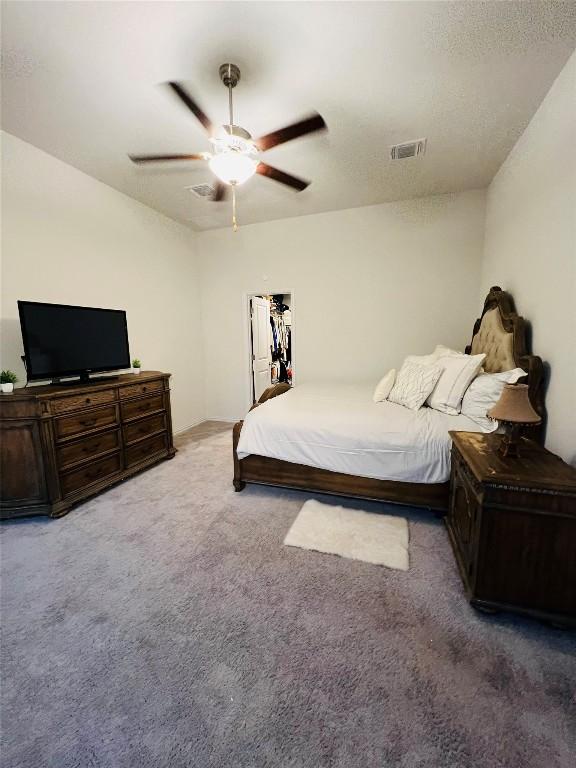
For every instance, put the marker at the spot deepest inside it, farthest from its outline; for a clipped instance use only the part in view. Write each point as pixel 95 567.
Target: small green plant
pixel 8 377
pixel 136 363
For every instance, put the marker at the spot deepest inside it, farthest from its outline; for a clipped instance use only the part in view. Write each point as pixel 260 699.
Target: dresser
pixel 59 445
pixel 512 525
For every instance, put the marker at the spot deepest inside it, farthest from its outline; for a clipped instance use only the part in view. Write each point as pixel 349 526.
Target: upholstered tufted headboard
pixel 501 334
pixel 495 341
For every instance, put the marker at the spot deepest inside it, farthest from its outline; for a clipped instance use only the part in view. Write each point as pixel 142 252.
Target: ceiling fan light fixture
pixel 235 157
pixel 233 167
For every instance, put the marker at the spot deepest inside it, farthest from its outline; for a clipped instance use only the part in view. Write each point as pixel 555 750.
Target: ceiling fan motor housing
pixel 230 75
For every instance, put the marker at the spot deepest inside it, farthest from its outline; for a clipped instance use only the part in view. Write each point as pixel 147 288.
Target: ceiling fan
pixel 235 155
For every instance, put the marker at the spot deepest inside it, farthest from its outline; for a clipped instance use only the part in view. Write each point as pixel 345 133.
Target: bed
pixel 378 451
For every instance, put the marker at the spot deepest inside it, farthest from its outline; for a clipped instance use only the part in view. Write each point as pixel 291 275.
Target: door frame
pixel 248 339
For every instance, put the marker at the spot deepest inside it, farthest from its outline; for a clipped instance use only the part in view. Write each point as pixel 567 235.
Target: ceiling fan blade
pixel 220 192
pixel 140 159
pixel 284 178
pixel 311 124
pixel 198 113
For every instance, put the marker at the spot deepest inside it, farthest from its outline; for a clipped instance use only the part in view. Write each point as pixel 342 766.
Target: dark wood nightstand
pixel 512 524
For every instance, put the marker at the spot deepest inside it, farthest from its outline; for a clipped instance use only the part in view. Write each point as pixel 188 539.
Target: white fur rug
pixel 351 533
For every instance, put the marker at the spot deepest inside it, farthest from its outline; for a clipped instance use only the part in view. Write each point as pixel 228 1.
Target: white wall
pixel 70 239
pixel 369 285
pixel 530 246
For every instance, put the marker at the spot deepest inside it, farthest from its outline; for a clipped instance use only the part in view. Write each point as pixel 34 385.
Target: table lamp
pixel 514 410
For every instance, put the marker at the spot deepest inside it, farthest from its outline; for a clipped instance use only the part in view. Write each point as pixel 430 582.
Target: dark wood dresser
pixel 61 444
pixel 512 525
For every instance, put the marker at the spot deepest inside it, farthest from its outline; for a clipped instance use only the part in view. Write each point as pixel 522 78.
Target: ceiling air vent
pixel 204 191
pixel 408 149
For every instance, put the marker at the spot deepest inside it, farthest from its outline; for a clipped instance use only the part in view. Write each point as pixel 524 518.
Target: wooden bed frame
pixel 499 332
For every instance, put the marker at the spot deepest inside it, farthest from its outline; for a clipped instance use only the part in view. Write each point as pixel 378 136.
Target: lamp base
pixel 510 443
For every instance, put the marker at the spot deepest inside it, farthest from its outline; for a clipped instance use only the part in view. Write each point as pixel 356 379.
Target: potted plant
pixel 136 365
pixel 7 381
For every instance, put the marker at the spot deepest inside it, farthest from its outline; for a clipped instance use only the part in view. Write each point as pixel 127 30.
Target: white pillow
pixel 414 383
pixel 458 371
pixel 484 392
pixel 384 386
pixel 422 359
pixel 440 351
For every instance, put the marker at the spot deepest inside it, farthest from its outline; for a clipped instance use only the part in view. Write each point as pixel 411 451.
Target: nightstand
pixel 512 525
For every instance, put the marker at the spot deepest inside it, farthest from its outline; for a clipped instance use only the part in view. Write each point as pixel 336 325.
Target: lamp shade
pixel 514 406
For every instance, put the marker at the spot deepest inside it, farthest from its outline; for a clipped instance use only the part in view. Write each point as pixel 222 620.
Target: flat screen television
pixel 62 340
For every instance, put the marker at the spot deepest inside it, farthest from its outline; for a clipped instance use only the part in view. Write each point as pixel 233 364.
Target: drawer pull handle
pixel 95 473
pixel 91 448
pixel 143 430
pixel 145 407
pixel 144 389
pixel 88 400
pixel 88 422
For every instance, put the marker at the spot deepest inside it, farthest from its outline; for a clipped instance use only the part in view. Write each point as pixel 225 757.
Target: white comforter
pixel 341 429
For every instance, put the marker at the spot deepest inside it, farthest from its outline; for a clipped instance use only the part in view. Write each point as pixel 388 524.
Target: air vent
pixel 202 190
pixel 408 149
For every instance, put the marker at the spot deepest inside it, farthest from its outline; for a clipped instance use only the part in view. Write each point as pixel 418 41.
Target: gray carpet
pixel 164 624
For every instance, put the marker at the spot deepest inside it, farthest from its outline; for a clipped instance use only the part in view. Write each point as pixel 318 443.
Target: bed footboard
pixel 238 483
pixel 262 470
pixel 273 391
pixel 268 394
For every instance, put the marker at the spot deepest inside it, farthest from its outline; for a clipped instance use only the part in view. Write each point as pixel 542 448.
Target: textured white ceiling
pixel 80 80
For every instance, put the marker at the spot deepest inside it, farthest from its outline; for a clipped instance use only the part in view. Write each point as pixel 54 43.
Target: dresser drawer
pixel 85 422
pixel 75 402
pixel 134 408
pixel 146 448
pixel 87 448
pixel 146 388
pixel 97 470
pixel 139 429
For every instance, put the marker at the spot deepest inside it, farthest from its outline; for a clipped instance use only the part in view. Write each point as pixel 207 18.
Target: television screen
pixel 62 340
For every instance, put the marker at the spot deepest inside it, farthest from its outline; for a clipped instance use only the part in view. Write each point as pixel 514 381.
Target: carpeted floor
pixel 164 624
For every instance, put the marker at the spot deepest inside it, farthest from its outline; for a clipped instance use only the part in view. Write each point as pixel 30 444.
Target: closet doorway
pixel 270 341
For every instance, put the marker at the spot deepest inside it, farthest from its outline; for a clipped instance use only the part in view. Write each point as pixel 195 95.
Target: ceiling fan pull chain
pixel 234 222
pixel 230 106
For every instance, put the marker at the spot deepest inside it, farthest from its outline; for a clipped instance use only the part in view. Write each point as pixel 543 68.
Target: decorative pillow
pixel 384 386
pixel 440 351
pixel 484 392
pixel 414 383
pixel 422 359
pixel 458 371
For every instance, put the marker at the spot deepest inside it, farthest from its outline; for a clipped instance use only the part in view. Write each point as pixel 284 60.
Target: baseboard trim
pixel 231 420
pixel 189 426
pixel 202 421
